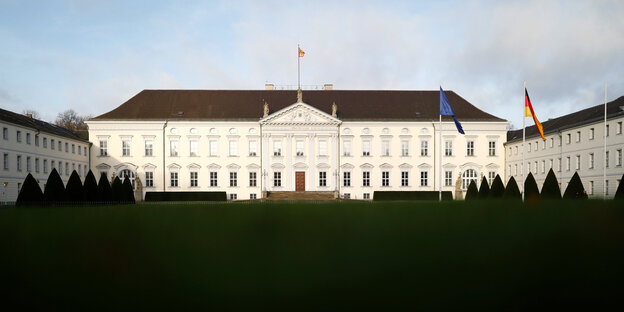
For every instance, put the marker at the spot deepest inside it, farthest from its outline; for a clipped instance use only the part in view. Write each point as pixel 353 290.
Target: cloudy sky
pixel 91 56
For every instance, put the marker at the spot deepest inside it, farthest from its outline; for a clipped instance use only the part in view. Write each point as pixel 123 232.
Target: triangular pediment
pixel 300 113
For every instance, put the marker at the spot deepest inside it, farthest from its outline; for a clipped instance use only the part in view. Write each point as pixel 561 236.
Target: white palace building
pixel 250 142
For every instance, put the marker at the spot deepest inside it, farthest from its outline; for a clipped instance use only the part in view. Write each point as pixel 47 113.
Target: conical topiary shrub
pixel 74 189
pixel 118 190
pixel 531 192
pixel 128 191
pixel 54 189
pixel 90 188
pixel 484 189
pixel 512 191
pixel 472 192
pixel 30 194
pixel 619 194
pixel 105 193
pixel 550 189
pixel 575 189
pixel 498 189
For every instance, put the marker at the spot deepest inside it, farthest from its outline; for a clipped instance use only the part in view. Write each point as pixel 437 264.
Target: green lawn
pixel 314 256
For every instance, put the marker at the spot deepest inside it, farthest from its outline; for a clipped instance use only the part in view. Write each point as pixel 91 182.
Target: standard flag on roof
pixel 301 53
pixel 446 110
pixel 528 112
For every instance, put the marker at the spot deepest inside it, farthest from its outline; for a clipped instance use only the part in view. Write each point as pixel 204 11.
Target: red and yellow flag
pixel 301 53
pixel 528 112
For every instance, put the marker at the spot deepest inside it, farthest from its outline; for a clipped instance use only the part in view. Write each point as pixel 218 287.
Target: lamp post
pixel 5 184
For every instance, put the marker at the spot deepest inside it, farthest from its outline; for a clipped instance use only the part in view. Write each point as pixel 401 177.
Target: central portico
pixel 300 150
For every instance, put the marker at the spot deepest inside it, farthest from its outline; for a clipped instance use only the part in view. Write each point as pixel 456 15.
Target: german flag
pixel 301 53
pixel 528 112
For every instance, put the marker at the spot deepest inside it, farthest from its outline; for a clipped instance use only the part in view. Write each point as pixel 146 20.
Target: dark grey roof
pixel 582 117
pixel 35 124
pixel 368 105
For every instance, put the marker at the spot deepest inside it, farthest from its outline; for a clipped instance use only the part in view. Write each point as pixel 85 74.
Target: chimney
pixel 328 86
pixel 29 115
pixel 269 86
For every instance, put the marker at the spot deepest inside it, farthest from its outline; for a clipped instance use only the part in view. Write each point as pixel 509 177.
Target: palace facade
pixel 248 142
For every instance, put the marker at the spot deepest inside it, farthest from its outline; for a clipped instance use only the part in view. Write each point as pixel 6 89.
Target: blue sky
pixel 91 56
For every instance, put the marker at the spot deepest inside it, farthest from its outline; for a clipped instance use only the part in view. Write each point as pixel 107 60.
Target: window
pixel 214 148
pixel 366 195
pixel 125 148
pixel 607 129
pixel 253 148
pixel 193 178
pixel 233 196
pixel 322 178
pixel 5 133
pixel 606 187
pixel 468 176
pixel 618 157
pixel 66 147
pixel 591 133
pixel 233 148
pixel 45 142
pixel 149 148
pixel 85 150
pixel 52 144
pixel 543 144
pixel 448 178
pixel 253 178
pixel 552 142
pixel 568 138
pixel 66 168
pixel 346 179
pixel 277 179
pixel 578 162
pixel 299 147
pixel 346 148
pixel 568 163
pixel 559 164
pixel 424 181
pixel 492 148
pixel 103 147
pixel 173 148
pixel 515 169
pixel 73 148
pixel 80 151
pixel 618 128
pixel 578 136
pixel 193 148
pixel 404 178
pixel 19 162
pixel 385 148
pixel 385 178
pixel 18 135
pixel 149 179
pixel 252 196
pixel 28 166
pixel 591 187
pixel 28 138
pixel 323 148
pixel 346 195
pixel 277 148
pixel 366 178
pixel 366 148
pixel 606 159
pixel 550 164
pixel 173 179
pixel 470 148
pixel 404 148
pixel 535 166
pixel 536 145
pixel 516 151
pixel 45 166
pixel 79 170
pixel 424 148
pixel 6 161
pixel 213 178
pixel 233 179
pixel 53 163
pixel 529 148
pixel 448 148
pixel 591 161
pixel 543 166
pixel 491 177
pixel 60 146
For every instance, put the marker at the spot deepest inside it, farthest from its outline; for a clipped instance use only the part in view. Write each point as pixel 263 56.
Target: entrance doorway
pixel 300 181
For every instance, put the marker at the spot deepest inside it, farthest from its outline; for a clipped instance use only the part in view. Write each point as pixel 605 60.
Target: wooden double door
pixel 299 181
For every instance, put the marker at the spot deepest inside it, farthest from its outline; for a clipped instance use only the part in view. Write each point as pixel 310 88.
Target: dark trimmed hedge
pixel 484 189
pixel 90 187
pixel 30 194
pixel 498 188
pixel 128 191
pixel 512 191
pixel 473 192
pixel 105 193
pixel 531 192
pixel 411 195
pixel 185 196
pixel 575 189
pixel 55 189
pixel 550 189
pixel 74 189
pixel 118 191
pixel 619 194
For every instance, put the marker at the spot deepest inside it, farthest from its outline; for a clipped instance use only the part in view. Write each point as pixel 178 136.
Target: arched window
pixel 467 176
pixel 127 173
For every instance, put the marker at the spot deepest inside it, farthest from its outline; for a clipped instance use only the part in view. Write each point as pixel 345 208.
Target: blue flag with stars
pixel 446 110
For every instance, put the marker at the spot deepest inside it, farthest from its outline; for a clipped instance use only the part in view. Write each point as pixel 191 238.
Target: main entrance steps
pixel 297 196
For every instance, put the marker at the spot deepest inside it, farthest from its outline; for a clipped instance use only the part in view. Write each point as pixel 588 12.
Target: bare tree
pixel 70 120
pixel 33 113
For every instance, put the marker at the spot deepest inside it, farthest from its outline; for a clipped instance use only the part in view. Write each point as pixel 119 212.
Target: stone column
pixel 288 159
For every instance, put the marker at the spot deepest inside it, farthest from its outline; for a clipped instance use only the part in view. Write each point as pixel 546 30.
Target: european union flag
pixel 446 110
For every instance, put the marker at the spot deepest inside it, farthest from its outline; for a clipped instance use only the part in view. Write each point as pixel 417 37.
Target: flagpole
pixel 523 139
pixel 440 159
pixel 604 135
pixel 298 69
